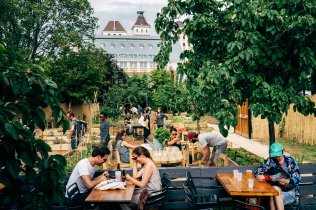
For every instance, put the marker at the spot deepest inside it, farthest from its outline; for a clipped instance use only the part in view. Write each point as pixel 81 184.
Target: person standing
pixel 73 137
pixel 83 173
pixel 210 139
pixel 104 129
pixel 146 123
pixel 128 123
pixel 286 175
pixel 140 109
pixel 160 118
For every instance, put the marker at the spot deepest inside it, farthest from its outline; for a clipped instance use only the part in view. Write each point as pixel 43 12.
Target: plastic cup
pixel 250 183
pixel 235 172
pixel 239 176
pixel 249 174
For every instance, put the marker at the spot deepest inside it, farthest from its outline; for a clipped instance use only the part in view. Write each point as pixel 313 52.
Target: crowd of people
pixel 147 177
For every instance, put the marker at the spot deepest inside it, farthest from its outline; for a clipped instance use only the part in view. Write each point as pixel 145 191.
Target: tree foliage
pixel 79 74
pixel 263 51
pixel 23 95
pixel 33 30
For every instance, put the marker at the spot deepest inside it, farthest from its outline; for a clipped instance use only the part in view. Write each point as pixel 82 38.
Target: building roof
pixel 180 24
pixel 141 20
pixel 114 26
pixel 139 45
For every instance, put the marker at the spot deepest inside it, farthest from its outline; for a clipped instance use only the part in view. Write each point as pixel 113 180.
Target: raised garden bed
pixel 243 157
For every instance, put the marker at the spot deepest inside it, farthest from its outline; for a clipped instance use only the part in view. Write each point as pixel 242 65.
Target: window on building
pixel 183 44
pixel 136 29
pixel 102 45
pixel 123 64
pixel 122 55
pixel 133 64
pixel 150 46
pixel 133 56
pixel 122 45
pixel 141 46
pixel 143 64
pixel 141 30
pixel 132 46
pixel 152 65
pixel 112 45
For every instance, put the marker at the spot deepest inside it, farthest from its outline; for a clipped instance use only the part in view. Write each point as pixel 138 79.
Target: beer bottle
pixel 123 176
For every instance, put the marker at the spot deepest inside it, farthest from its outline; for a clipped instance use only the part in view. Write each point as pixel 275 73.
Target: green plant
pixel 243 157
pixel 162 135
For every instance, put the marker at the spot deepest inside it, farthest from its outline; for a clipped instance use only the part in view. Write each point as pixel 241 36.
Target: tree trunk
pixel 271 132
pixel 198 127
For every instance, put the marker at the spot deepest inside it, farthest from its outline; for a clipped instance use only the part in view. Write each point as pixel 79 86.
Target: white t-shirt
pixel 211 139
pixel 141 121
pixel 83 167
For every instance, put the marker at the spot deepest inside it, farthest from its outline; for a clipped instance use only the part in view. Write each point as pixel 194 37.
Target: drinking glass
pixel 235 172
pixel 250 183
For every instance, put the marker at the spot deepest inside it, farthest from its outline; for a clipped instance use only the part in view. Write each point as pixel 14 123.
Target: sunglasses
pixel 135 158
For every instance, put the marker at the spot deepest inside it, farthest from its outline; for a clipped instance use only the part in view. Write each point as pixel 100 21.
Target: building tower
pixel 141 27
pixel 114 28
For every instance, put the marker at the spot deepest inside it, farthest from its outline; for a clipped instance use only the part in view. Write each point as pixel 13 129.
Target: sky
pixel 125 11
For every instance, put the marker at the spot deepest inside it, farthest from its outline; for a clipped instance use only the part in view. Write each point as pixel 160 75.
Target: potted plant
pixel 161 136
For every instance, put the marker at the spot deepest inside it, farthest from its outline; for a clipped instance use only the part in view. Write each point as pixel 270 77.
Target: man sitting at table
pixel 283 173
pixel 83 173
pixel 210 139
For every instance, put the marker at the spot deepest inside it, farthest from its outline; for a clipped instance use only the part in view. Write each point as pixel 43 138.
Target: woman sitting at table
pixel 123 146
pixel 149 174
pixel 174 140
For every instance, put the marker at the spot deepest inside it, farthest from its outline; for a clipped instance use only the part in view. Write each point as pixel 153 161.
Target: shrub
pixel 162 135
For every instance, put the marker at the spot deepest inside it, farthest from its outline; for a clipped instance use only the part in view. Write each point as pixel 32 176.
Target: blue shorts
pixel 289 197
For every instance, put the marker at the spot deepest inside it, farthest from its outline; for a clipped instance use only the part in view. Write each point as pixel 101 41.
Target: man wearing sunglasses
pixel 283 173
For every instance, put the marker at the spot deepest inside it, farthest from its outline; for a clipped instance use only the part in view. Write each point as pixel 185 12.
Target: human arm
pixel 91 183
pixel 72 128
pixel 129 146
pixel 148 171
pixel 173 141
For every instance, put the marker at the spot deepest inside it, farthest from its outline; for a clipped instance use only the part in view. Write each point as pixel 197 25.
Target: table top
pixel 112 196
pixel 240 188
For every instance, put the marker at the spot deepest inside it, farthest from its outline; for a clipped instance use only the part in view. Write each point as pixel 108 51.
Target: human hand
pixel 284 181
pixel 128 177
pixel 260 177
pixel 106 174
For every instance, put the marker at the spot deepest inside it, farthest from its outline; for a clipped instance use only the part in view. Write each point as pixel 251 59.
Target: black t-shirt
pixel 127 119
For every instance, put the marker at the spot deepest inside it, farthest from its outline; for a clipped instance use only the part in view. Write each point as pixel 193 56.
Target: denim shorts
pixel 289 197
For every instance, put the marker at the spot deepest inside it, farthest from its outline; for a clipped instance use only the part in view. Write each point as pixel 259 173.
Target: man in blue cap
pixel 283 173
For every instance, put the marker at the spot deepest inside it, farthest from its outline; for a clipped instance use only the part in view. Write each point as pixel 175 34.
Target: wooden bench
pixel 204 179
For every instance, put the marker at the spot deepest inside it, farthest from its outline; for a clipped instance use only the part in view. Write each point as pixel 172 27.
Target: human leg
pixel 73 144
pixel 278 200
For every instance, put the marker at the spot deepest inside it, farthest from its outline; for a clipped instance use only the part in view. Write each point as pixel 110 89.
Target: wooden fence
pixel 296 127
pixel 82 112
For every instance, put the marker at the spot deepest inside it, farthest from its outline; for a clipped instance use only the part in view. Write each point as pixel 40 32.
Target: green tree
pixel 23 95
pixel 33 30
pixel 263 51
pixel 79 74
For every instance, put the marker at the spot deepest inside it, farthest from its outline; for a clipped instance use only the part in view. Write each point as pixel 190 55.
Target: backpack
pixel 80 128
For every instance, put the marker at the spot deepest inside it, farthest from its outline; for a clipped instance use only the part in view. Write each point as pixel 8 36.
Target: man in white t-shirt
pixel 210 139
pixel 83 173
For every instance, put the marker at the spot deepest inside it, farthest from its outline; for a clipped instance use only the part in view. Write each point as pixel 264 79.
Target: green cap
pixel 276 149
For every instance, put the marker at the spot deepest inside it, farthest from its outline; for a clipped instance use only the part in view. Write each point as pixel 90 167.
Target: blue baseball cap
pixel 276 149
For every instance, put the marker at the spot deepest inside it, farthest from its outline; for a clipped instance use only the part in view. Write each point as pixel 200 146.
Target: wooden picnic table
pixel 112 196
pixel 240 188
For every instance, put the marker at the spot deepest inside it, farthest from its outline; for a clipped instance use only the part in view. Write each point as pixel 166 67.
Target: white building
pixel 134 53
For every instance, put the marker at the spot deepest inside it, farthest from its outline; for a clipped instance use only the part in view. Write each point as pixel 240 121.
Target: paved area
pixel 250 145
